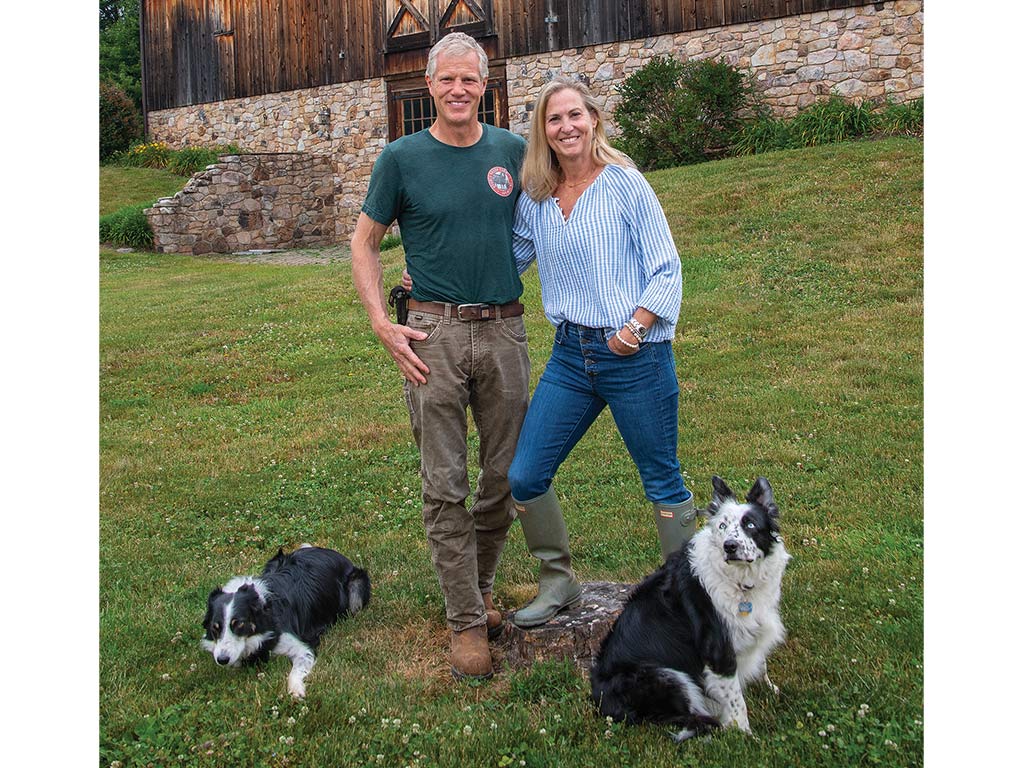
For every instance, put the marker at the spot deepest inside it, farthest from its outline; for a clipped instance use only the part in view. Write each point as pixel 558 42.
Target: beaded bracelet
pixel 626 343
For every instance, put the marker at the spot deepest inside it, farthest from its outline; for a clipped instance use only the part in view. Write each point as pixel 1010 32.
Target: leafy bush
pixel 390 241
pixel 905 119
pixel 763 134
pixel 832 120
pixel 153 154
pixel 120 120
pixel 127 227
pixel 677 113
pixel 190 160
pixel 184 162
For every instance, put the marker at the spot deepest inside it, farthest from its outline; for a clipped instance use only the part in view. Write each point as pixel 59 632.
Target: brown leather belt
pixel 469 311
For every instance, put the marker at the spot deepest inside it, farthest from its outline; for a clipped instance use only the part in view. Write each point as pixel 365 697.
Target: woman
pixel 611 285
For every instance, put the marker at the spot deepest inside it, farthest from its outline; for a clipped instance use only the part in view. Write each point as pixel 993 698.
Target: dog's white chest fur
pixel 746 597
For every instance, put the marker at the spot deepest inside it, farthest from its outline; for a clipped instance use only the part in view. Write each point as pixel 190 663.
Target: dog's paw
pixel 297 689
pixel 773 687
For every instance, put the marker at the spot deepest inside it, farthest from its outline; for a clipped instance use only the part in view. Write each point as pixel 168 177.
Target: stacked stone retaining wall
pixel 873 51
pixel 247 202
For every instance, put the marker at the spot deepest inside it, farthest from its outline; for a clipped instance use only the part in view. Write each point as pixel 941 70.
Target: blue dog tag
pixel 746 608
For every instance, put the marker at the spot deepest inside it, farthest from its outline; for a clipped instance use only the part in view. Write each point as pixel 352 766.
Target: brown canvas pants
pixel 482 366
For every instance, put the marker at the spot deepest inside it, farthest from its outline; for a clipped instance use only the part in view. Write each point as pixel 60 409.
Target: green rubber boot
pixel 547 540
pixel 676 525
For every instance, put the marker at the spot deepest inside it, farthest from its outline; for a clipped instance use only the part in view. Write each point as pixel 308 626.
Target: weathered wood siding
pixel 197 51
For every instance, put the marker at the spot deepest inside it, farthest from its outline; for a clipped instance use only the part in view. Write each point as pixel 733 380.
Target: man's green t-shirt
pixel 455 207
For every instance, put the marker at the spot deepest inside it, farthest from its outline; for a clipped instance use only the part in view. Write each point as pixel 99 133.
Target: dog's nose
pixel 222 660
pixel 730 546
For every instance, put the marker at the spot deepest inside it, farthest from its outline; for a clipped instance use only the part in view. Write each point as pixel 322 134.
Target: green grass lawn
pixel 127 186
pixel 247 407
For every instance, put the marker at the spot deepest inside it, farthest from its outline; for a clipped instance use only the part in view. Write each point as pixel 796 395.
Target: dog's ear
pixel 247 587
pixel 719 496
pixel 209 606
pixel 761 493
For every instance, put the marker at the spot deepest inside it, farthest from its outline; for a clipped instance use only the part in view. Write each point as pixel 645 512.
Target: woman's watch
pixel 637 328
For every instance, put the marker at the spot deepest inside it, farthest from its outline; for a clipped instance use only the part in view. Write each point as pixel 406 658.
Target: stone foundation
pixel 874 51
pixel 247 202
pixel 858 53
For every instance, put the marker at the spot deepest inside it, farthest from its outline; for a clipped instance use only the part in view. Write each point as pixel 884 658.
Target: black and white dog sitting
pixel 284 610
pixel 698 629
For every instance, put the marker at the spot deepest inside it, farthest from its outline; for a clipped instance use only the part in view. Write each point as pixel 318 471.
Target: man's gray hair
pixel 456 44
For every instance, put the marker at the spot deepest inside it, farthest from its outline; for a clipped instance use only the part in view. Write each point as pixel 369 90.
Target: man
pixel 453 190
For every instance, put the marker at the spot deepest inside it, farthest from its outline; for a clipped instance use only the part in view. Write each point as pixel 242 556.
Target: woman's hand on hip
pixel 623 343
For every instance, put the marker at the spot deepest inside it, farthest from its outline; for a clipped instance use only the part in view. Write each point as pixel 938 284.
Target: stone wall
pixel 873 51
pixel 867 52
pixel 245 202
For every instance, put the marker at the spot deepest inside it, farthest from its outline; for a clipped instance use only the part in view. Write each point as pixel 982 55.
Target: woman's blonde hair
pixel 541 171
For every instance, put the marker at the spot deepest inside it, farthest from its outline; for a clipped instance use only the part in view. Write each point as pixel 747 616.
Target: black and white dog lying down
pixel 698 629
pixel 284 610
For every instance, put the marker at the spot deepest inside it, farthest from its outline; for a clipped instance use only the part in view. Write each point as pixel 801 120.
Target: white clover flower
pixel 608 734
pixel 822 734
pixel 543 731
pixel 290 721
pixel 351 719
pixel 415 727
pixel 467 730
pixel 165 676
pixel 831 728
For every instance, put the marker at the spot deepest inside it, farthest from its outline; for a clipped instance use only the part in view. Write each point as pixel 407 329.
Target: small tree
pixel 120 120
pixel 678 113
pixel 120 61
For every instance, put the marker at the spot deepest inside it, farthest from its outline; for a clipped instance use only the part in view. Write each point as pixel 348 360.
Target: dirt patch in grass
pixel 295 257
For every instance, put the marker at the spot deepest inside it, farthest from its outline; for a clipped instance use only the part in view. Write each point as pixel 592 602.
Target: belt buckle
pixel 477 316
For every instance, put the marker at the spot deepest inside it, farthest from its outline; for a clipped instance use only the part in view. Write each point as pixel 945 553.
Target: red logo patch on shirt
pixel 500 180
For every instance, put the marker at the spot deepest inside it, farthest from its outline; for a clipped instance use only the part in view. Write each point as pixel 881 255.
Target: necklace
pixel 586 178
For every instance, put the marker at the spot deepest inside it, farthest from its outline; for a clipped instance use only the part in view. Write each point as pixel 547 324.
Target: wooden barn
pixel 343 77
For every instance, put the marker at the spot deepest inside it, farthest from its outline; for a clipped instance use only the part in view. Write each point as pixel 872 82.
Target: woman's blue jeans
pixel 581 378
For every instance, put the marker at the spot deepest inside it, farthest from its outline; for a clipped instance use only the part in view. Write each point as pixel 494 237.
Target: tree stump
pixel 575 634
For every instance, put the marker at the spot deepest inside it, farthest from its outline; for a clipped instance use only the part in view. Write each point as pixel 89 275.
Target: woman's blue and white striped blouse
pixel 614 254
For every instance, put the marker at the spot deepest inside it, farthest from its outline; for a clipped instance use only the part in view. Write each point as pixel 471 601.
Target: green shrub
pixel 390 241
pixel 189 160
pixel 184 162
pixel 152 154
pixel 905 119
pixel 677 113
pixel 127 227
pixel 763 134
pixel 832 120
pixel 120 120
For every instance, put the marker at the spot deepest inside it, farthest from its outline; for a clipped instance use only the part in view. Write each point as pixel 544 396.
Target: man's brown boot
pixel 471 658
pixel 494 622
